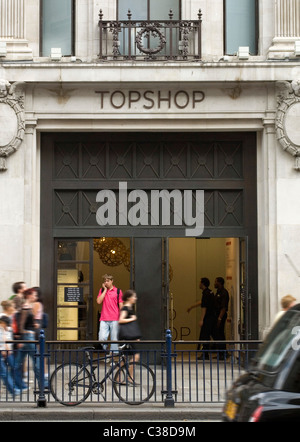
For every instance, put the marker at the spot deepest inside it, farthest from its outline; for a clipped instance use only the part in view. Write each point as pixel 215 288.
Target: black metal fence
pixel 150 40
pixel 163 372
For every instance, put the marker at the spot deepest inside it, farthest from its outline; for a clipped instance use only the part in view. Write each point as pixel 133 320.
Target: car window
pixel 279 342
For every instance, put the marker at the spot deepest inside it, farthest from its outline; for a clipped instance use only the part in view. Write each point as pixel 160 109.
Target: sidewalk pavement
pixel 29 412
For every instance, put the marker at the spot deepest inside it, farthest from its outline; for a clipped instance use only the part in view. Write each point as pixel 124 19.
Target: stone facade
pixel 260 94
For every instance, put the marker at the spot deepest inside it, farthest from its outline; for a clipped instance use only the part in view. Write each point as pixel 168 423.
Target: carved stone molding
pixel 288 118
pixel 12 120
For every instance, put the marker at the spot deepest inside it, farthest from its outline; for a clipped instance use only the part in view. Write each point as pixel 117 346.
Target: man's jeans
pixel 109 328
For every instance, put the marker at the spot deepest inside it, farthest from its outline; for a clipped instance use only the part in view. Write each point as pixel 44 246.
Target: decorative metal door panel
pixel 150 156
pixel 78 170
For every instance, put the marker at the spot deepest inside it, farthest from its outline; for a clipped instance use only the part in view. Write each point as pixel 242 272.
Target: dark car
pixel 269 391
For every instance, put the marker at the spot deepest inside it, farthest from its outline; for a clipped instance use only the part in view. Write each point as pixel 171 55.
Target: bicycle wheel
pixel 71 384
pixel 134 383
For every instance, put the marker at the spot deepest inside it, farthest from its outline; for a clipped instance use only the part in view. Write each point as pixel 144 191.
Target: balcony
pixel 150 40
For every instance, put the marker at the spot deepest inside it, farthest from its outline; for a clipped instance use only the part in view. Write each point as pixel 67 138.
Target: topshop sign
pixel 150 99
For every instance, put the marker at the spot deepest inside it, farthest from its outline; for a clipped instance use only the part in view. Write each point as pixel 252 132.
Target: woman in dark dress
pixel 127 316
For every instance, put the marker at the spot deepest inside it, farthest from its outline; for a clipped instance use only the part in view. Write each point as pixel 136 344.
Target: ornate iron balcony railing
pixel 150 40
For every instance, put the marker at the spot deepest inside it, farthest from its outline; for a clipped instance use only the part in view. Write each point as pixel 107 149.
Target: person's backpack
pixel 15 323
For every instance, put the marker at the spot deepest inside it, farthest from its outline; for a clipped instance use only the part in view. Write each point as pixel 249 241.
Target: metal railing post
pixel 42 402
pixel 169 401
pixel 101 34
pixel 199 34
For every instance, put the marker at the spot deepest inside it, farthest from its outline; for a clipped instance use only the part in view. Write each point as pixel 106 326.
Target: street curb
pixel 31 413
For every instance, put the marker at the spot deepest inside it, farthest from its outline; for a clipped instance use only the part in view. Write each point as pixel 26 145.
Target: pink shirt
pixel 110 306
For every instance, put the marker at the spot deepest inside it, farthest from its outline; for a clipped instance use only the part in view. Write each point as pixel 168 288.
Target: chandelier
pixel 111 251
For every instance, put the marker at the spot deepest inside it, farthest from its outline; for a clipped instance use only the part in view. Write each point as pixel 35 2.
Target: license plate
pixel 231 410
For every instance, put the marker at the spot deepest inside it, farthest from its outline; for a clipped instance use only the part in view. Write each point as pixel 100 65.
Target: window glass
pixel 73 289
pixel 159 10
pixel 148 9
pixel 240 24
pixel 57 26
pixel 138 9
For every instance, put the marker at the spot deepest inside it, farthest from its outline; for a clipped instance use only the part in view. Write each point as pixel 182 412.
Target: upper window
pixel 57 18
pixel 148 9
pixel 240 25
pixel 143 41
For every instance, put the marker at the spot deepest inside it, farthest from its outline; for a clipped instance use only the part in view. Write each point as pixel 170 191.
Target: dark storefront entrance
pixel 76 250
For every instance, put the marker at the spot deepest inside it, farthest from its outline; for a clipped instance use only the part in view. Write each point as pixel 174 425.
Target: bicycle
pixel 72 382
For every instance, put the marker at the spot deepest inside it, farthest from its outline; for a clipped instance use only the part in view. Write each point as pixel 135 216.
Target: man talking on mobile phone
pixel 111 299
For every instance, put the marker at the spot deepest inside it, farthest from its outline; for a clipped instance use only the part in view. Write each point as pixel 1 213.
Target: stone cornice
pixel 251 71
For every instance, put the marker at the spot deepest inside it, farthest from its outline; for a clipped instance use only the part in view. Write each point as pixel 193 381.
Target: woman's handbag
pixel 129 331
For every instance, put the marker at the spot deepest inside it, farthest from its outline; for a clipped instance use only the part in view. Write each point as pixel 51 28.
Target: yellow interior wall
pixel 191 259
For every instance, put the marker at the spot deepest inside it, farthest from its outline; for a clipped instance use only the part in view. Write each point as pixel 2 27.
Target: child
pixel 8 309
pixel 5 353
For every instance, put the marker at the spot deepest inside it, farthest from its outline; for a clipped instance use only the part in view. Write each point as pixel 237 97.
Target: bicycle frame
pixel 122 362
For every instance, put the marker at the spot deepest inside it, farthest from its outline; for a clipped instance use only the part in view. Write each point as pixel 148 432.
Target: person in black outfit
pixel 128 315
pixel 207 319
pixel 221 301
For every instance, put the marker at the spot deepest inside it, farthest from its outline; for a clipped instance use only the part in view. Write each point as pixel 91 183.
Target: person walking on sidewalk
pixel 18 288
pixel 27 327
pixel 111 299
